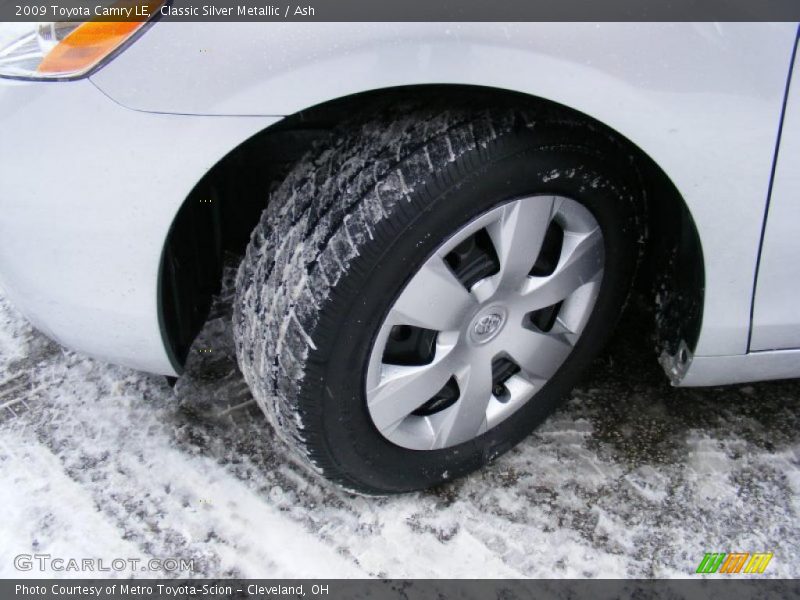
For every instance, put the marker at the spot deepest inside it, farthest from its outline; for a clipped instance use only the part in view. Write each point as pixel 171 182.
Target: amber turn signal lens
pixel 92 41
pixel 86 46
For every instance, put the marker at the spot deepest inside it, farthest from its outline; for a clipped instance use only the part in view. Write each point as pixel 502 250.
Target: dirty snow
pixel 631 478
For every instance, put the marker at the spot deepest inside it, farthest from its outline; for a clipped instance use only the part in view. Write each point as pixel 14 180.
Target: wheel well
pixel 219 214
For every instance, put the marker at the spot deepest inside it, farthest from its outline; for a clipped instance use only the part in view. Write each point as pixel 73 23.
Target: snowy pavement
pixel 630 478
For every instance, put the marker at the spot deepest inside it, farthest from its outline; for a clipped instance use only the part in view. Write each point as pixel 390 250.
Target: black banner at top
pixel 402 10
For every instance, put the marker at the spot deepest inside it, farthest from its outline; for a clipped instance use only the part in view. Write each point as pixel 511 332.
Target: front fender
pixel 702 100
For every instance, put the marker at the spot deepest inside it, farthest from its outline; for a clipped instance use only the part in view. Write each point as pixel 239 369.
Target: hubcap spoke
pixel 538 355
pixel 518 238
pixel 467 417
pixel 402 390
pixel 581 262
pixel 433 299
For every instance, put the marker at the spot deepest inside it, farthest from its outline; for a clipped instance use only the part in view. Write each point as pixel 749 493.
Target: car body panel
pixel 703 101
pixel 88 191
pixel 776 316
pixel 755 366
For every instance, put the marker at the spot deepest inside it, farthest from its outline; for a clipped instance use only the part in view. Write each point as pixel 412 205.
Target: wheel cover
pixel 496 343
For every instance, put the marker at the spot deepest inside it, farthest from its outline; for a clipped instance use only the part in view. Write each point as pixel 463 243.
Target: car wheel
pixel 423 289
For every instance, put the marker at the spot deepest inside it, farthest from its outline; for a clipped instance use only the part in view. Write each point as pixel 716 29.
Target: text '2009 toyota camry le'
pixel 440 223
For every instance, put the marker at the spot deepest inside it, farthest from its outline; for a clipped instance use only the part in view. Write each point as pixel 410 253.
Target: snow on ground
pixel 630 478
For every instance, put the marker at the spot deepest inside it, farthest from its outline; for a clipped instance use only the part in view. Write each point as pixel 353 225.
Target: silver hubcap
pixel 500 340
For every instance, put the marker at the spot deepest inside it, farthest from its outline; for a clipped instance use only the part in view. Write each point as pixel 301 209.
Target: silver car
pixel 440 223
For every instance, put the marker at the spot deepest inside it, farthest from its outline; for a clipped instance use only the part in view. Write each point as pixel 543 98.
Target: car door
pixel 776 314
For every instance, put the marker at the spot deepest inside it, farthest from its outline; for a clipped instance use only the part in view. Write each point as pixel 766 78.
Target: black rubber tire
pixel 351 224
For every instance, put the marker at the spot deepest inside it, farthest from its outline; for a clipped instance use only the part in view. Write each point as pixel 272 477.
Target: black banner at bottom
pixel 391 589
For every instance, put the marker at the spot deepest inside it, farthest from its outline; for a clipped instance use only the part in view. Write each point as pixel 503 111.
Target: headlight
pixel 65 50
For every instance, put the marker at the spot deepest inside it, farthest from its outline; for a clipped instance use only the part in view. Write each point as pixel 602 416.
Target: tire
pixel 348 229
